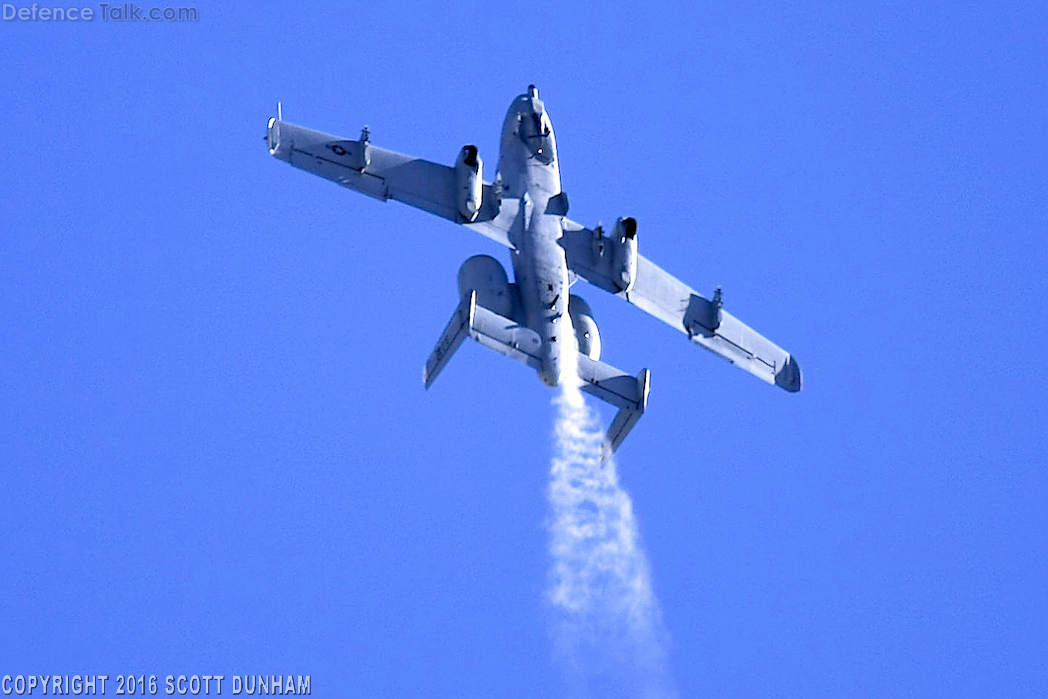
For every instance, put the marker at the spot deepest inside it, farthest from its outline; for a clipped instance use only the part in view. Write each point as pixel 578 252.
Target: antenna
pixel 280 114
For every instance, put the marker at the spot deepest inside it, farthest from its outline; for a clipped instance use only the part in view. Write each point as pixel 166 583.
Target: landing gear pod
pixel 624 260
pixel 469 183
pixel 585 327
pixel 484 274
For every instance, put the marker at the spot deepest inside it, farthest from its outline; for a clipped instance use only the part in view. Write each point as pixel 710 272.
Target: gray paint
pixel 525 210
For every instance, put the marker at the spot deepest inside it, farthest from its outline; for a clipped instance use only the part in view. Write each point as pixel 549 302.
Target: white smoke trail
pixel 607 625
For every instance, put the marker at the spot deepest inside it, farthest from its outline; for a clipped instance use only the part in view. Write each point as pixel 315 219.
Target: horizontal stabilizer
pixel 628 393
pixel 507 337
pixel 495 332
pixel 610 384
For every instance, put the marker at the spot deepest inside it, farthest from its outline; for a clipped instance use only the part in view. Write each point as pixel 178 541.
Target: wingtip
pixel 789 377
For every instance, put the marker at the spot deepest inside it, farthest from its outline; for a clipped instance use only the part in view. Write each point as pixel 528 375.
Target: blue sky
pixel 216 453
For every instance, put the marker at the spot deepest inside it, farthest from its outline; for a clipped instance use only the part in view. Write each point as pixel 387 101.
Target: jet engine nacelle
pixel 624 253
pixel 585 327
pixel 484 274
pixel 469 183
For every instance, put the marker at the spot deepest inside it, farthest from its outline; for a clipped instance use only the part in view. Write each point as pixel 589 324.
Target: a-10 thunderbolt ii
pixel 525 209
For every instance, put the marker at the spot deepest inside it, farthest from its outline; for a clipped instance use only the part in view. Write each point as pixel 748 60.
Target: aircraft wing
pixel 662 295
pixel 385 174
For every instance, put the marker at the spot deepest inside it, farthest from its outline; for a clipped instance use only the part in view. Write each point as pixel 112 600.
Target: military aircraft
pixel 525 209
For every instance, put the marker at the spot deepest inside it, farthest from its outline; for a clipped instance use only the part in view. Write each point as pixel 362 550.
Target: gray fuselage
pixel 530 172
